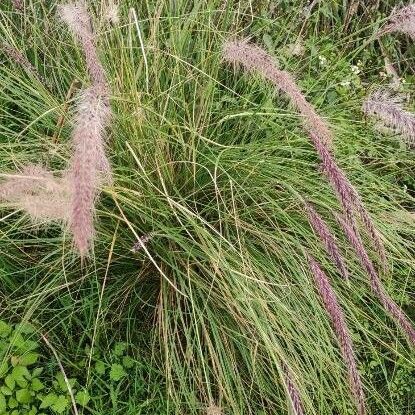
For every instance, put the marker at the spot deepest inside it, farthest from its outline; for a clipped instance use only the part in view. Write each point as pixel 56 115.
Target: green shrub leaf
pixel 48 400
pixel 5 329
pixel 128 362
pixel 5 391
pixel 3 405
pixel 29 358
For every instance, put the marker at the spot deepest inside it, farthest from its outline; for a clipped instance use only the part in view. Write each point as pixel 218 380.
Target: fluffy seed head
pixel 401 20
pixel 388 108
pixel 36 191
pixel 18 5
pixel 89 164
pixel 76 16
pixel 338 322
pixel 327 238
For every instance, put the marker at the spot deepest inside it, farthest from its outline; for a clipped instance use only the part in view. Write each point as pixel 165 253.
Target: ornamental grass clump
pixel 338 322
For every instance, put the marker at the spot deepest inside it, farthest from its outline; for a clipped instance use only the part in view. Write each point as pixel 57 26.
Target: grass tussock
pixel 184 181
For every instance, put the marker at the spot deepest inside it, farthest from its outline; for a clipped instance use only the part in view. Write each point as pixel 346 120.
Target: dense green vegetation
pixel 216 167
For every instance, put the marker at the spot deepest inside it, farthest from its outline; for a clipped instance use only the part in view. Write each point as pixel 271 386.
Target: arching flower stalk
pixel 376 283
pixel 254 59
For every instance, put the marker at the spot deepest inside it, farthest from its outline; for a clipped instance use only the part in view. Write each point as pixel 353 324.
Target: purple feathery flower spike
pixel 255 59
pixel 375 281
pixel 293 393
pixel 18 5
pixel 338 322
pixel 401 20
pixel 86 171
pixel 89 165
pixel 327 238
pixel 388 108
pixel 76 16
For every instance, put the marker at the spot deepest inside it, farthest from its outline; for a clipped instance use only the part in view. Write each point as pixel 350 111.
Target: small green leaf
pixel 20 374
pixel 120 348
pixel 61 384
pixel 60 404
pixel 29 358
pixel 14 360
pixel 82 398
pixel 31 345
pixel 36 372
pixel 18 342
pixel 10 382
pixel 5 329
pixel 100 367
pixel 25 328
pixel 128 362
pixel 48 400
pixel 23 396
pixel 117 372
pixel 3 405
pixel 37 385
pixel 4 367
pixel 6 391
pixel 13 403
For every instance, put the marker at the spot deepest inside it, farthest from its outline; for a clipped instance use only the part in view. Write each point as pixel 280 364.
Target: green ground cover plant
pixel 189 290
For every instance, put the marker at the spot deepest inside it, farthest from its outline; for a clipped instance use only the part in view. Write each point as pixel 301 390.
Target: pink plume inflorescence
pixel 401 20
pixel 89 165
pixel 327 238
pixel 255 59
pixel 388 108
pixel 76 16
pixel 36 191
pixel 293 392
pixel 337 319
